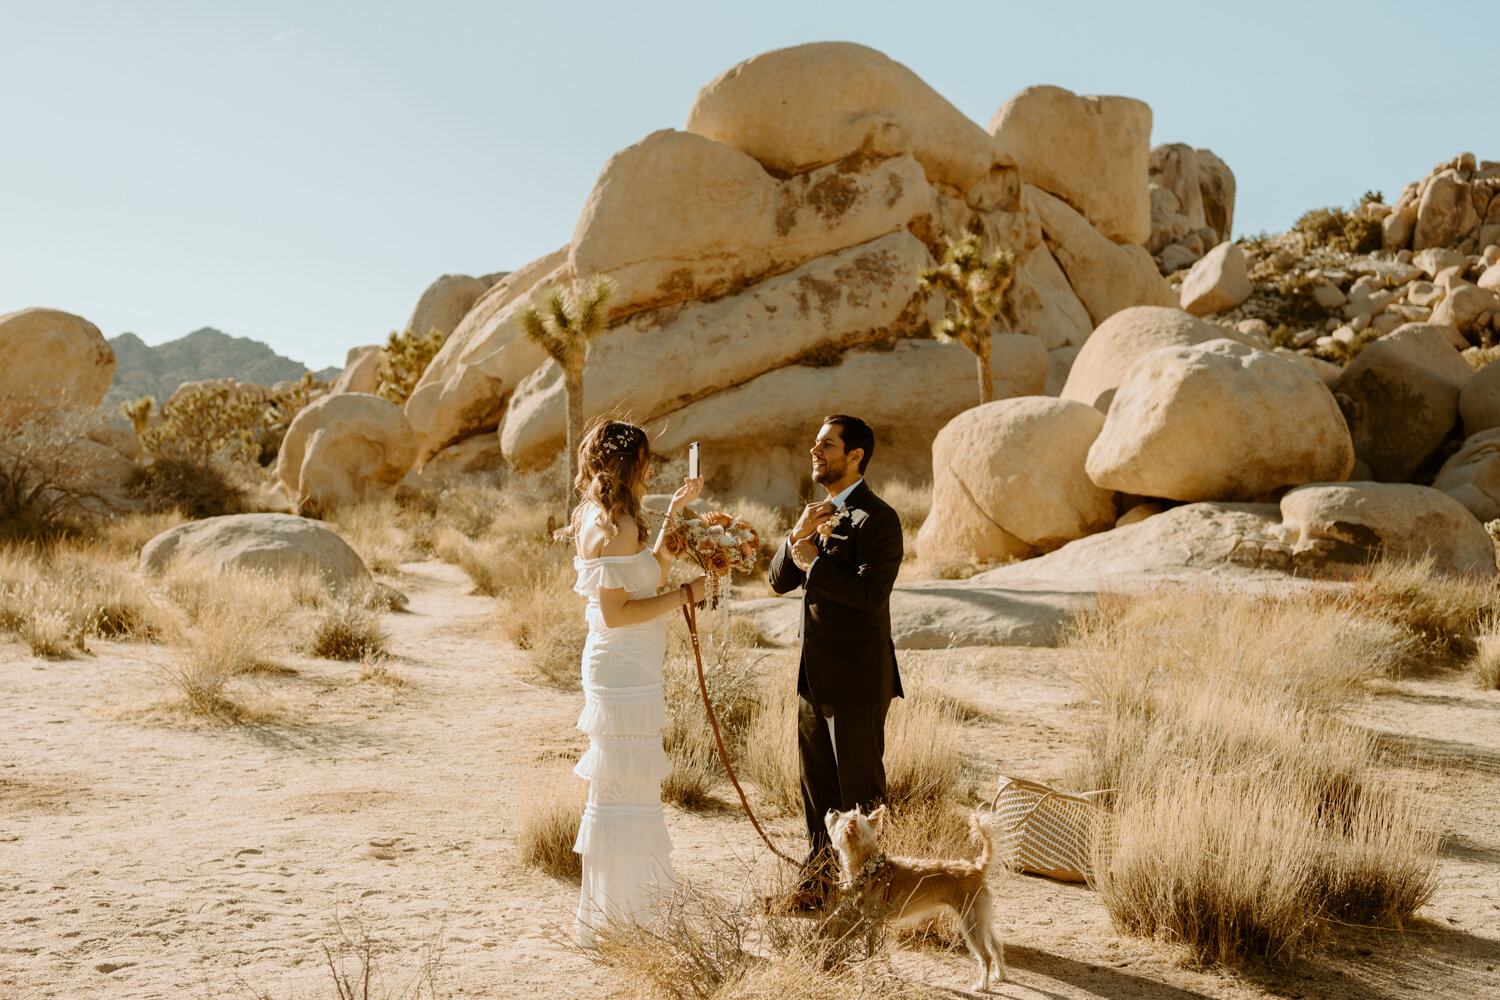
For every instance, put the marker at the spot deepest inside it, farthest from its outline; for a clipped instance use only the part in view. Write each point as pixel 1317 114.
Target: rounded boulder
pixel 1008 481
pixel 344 449
pixel 280 545
pixel 1357 522
pixel 1219 421
pixel 1092 152
pixel 797 108
pixel 53 360
pixel 1121 339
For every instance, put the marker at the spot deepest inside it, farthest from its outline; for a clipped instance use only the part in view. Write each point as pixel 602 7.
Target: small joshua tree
pixel 563 321
pixel 976 285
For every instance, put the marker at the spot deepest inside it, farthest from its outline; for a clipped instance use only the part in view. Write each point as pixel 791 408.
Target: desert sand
pixel 145 854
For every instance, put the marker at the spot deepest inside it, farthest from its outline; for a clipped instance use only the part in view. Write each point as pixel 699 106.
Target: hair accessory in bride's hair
pixel 620 440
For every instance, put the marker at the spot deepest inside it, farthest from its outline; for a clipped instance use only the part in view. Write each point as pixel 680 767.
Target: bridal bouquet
pixel 718 543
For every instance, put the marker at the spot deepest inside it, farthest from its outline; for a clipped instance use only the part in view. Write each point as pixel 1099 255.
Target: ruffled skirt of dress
pixel 623 837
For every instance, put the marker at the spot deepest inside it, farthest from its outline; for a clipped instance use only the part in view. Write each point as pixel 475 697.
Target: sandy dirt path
pixel 145 855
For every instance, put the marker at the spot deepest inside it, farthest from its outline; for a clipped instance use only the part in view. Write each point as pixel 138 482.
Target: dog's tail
pixel 986 848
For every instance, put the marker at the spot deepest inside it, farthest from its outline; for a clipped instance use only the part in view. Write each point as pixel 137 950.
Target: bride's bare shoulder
pixel 594 537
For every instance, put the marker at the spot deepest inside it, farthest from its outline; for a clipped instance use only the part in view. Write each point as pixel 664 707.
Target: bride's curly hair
pixel 613 458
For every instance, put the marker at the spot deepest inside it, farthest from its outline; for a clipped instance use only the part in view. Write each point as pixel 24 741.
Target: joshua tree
pixel 563 321
pixel 976 285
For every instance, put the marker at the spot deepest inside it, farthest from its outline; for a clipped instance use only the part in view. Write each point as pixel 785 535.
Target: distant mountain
pixel 157 371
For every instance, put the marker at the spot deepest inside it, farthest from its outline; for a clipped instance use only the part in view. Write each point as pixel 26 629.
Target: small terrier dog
pixel 876 887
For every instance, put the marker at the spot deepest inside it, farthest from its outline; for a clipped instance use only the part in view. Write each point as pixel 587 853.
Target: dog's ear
pixel 877 818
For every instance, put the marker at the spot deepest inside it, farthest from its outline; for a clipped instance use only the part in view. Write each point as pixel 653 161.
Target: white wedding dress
pixel 623 838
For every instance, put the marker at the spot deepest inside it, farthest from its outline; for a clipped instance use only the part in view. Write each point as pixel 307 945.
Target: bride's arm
pixel 619 610
pixel 686 494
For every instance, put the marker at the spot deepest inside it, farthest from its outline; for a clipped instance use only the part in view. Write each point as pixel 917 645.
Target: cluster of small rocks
pixel 1192 205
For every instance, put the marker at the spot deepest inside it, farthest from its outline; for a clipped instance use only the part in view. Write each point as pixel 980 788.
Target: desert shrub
pixel 54 598
pixel 373 529
pixel 547 823
pixel 735 676
pixel 207 423
pixel 923 764
pixel 1295 306
pixel 1342 352
pixel 1479 357
pixel 348 631
pixel 45 491
pixel 706 947
pixel 1250 815
pixel 911 501
pixel 1341 231
pixel 1445 613
pixel 193 489
pixel 228 623
pixel 407 356
pixel 1485 666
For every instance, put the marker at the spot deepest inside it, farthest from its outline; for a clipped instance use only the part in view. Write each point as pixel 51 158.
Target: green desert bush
pixel 407 356
pixel 1344 232
pixel 193 489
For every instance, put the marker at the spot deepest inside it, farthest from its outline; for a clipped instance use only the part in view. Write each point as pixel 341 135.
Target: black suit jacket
pixel 847 654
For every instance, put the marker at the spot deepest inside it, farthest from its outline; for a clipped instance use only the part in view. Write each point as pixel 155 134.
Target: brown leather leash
pixel 690 614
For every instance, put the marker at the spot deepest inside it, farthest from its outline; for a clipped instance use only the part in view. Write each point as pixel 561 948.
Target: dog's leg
pixel 978 928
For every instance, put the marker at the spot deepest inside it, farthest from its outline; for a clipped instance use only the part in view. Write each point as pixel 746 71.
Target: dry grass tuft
pixel 547 825
pixel 1250 814
pixel 227 625
pixel 374 531
pixel 735 677
pixel 911 502
pixel 349 632
pixel 704 947
pixel 54 598
pixel 1485 667
pixel 923 763
pixel 1446 613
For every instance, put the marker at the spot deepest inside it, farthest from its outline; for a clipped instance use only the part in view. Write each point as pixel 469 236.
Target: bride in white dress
pixel 623 838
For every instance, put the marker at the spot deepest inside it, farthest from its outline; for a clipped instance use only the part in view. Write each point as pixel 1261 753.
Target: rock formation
pixel 344 449
pixel 279 545
pixel 53 360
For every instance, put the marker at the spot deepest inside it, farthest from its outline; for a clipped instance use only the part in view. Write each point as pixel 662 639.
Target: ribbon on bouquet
pixel 690 614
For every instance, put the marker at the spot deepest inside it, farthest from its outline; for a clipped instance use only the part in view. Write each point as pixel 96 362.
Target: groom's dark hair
pixel 855 433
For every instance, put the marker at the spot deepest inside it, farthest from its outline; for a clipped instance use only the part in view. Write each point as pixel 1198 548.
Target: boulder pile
pixel 766 255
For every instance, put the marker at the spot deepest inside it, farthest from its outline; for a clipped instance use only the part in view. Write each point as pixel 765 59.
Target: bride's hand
pixel 686 493
pixel 700 588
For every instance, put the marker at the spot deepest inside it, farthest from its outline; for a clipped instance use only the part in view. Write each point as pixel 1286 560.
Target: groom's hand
pixel 804 551
pixel 812 515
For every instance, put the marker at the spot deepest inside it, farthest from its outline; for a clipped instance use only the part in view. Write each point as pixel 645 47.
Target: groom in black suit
pixel 844 552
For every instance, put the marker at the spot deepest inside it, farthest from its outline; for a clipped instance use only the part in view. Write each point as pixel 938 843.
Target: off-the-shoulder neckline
pixel 632 555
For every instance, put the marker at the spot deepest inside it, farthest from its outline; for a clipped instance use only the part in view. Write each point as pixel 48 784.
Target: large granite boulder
pixel 1122 339
pixel 1350 523
pixel 52 360
pixel 279 545
pixel 1092 152
pixel 1445 212
pixel 678 217
pixel 802 107
pixel 1106 276
pixel 445 303
pixel 1479 400
pixel 1210 422
pixel 1216 185
pixel 1008 481
pixel 1400 399
pixel 1472 475
pixel 464 389
pixel 755 435
pixel 345 449
pixel 659 361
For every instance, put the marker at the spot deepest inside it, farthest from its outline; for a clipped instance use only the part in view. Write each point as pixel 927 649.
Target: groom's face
pixel 829 460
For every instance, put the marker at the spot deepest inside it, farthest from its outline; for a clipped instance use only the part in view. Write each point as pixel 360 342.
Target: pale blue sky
pixel 299 172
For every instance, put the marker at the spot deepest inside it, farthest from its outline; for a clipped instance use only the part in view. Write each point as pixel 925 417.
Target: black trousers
pixel 842 751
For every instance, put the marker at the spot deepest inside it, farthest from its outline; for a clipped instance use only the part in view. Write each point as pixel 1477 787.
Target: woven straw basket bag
pixel 1047 832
